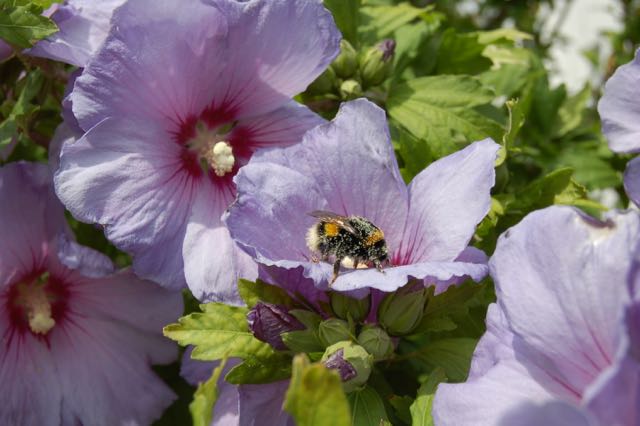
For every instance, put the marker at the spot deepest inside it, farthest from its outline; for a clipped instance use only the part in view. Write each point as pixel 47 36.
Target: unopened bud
pixel 346 64
pixel 333 330
pixel 400 312
pixel 352 362
pixel 377 63
pixel 376 342
pixel 343 306
pixel 350 89
pixel 324 84
pixel 267 322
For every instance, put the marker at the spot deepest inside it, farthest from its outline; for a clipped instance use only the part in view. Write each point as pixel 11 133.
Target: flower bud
pixel 343 305
pixel 267 322
pixel 350 89
pixel 352 362
pixel 377 63
pixel 376 342
pixel 400 312
pixel 346 64
pixel 333 330
pixel 324 83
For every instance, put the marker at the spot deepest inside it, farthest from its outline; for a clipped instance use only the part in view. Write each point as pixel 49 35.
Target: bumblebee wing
pixel 342 221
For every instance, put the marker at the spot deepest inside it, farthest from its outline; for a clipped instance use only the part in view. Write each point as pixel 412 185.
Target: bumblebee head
pixel 379 251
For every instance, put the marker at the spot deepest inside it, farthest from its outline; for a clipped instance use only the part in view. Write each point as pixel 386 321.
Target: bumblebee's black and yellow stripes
pixel 347 237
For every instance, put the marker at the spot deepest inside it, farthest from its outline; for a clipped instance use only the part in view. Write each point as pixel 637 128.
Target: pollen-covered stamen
pixel 220 158
pixel 33 298
pixel 213 149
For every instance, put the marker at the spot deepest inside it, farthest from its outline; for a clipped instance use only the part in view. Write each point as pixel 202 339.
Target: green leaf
pixel 347 16
pixel 261 370
pixel 217 332
pixel 452 355
pixel 205 398
pixel 401 406
pixel 514 124
pixel 22 26
pixel 421 408
pixel 434 108
pixel 367 408
pixel 379 22
pixel 315 396
pixel 259 291
pixel 571 112
pixel 461 54
pixel 8 130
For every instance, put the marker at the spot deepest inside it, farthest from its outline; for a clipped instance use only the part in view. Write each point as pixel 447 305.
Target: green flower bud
pixel 334 330
pixel 376 342
pixel 350 89
pixel 343 305
pixel 352 362
pixel 377 63
pixel 400 312
pixel 324 83
pixel 346 64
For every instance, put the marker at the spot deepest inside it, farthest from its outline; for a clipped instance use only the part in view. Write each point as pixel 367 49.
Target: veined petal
pixel 447 200
pixel 632 180
pixel 138 191
pixel 573 269
pixel 619 108
pixel 261 405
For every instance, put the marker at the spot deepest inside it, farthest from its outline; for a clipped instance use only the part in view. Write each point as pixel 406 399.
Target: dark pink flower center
pixel 36 304
pixel 214 145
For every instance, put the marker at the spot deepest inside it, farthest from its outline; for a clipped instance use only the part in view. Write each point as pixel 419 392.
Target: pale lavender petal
pixel 496 370
pixel 64 134
pixel 83 26
pixel 552 413
pixel 161 61
pixel 23 246
pixel 363 179
pixel 29 385
pixel 195 371
pixel 614 397
pixel 294 282
pixel 556 262
pixel 88 262
pixel 213 262
pixel 619 108
pixel 447 200
pixel 632 180
pixel 438 274
pixel 142 197
pixel 261 405
pixel 271 65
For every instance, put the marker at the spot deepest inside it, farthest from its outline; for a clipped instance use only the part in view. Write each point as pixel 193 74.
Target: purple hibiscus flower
pixel 174 103
pixel 562 344
pixel 619 110
pixel 348 167
pixel 77 343
pixel 83 25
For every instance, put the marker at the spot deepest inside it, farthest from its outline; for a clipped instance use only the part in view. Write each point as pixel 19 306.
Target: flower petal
pixel 619 108
pixel 552 413
pixel 160 62
pixel 439 274
pixel 141 196
pixel 632 180
pixel 29 222
pixel 268 65
pixel 261 405
pixel 83 26
pixel 562 277
pixel 447 200
pixel 494 371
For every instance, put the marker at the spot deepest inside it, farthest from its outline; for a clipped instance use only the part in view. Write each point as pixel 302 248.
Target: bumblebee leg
pixel 378 266
pixel 336 271
pixel 355 263
pixel 315 259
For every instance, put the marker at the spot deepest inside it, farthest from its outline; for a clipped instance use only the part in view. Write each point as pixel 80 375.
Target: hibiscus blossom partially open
pixel 562 345
pixel 348 167
pixel 177 99
pixel 77 338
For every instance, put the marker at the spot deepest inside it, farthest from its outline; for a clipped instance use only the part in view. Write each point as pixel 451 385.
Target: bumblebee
pixel 349 239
